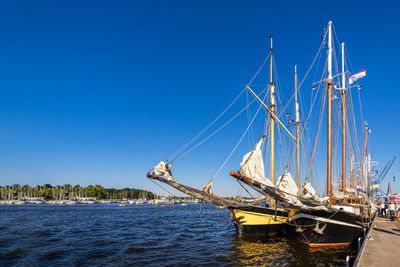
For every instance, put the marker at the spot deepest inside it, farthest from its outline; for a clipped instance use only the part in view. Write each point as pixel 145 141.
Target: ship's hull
pixel 258 221
pixel 327 228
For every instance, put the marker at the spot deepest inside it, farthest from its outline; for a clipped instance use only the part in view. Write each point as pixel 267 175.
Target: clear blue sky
pixel 97 92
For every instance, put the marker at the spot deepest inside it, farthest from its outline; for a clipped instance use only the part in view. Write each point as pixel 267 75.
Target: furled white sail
pixel 287 185
pixel 338 195
pixel 208 187
pixel 253 165
pixel 309 193
pixel 164 169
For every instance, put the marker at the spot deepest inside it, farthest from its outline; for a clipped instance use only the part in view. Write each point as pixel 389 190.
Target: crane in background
pixel 377 192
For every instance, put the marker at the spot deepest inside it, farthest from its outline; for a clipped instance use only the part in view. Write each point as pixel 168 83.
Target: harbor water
pixel 142 235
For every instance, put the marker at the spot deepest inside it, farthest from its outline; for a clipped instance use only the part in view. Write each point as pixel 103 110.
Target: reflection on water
pixel 305 256
pixel 142 235
pixel 285 252
pixel 261 252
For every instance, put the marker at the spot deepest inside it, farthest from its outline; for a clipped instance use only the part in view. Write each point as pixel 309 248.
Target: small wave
pixel 42 233
pixel 54 254
pixel 15 254
pixel 132 250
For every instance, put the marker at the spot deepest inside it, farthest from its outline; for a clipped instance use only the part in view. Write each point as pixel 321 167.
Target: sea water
pixel 142 235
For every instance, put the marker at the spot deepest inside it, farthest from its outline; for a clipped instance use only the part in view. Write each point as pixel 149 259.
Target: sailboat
pixel 334 220
pixel 249 219
pixel 339 218
pixel 346 215
pixel 142 198
pixel 253 220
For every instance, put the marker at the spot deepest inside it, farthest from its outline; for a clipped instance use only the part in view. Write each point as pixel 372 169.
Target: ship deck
pixel 383 247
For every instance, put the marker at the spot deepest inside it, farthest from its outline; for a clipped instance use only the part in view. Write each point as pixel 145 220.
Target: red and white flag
pixel 355 77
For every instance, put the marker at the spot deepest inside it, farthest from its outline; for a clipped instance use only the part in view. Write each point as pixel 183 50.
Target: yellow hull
pixel 259 221
pixel 254 218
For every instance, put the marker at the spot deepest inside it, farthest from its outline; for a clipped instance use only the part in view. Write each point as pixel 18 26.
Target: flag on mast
pixel 367 128
pixel 358 75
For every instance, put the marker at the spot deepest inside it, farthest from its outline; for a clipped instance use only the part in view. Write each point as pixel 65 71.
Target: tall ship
pixel 341 216
pixel 347 213
pixel 336 219
pixel 263 217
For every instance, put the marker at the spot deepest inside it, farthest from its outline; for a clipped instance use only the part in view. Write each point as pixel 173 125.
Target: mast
pixel 329 134
pixel 343 92
pixel 364 176
pixel 366 159
pixel 297 130
pixel 272 102
pixel 352 171
pixel 369 176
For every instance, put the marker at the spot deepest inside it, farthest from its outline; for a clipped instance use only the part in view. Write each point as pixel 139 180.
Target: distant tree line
pixel 68 191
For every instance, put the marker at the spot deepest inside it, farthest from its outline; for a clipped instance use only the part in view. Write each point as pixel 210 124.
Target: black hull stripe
pixel 322 219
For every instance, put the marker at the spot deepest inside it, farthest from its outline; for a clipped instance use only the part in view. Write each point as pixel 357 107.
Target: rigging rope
pixel 245 189
pixel 216 131
pixel 312 64
pixel 162 188
pixel 318 129
pixel 207 127
pixel 240 140
pixel 181 151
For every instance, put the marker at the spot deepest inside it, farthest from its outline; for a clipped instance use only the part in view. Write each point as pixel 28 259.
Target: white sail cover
pixel 309 193
pixel 208 187
pixel 287 185
pixel 338 195
pixel 164 169
pixel 253 165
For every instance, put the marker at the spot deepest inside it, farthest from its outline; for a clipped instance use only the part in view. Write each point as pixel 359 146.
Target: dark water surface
pixel 142 235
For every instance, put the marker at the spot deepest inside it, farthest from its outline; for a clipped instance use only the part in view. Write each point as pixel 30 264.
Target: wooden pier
pixel 383 245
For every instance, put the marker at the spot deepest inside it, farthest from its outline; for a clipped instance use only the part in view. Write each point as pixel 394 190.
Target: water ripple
pixel 140 235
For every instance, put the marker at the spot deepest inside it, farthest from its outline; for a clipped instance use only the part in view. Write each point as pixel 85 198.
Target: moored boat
pixel 164 201
pixel 344 218
pixel 312 219
pixel 259 221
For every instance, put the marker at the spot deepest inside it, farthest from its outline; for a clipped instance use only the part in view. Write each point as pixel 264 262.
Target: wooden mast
pixel 343 92
pixel 272 102
pixel 364 153
pixel 329 134
pixel 365 159
pixel 352 171
pixel 297 130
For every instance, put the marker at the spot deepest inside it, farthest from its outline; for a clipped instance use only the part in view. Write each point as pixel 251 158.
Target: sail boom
pixel 204 196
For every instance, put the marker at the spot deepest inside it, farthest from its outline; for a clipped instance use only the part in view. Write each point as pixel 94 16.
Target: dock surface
pixel 383 247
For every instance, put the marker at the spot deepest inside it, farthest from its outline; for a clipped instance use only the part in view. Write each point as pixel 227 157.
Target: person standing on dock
pixel 392 208
pixel 385 209
pixel 382 209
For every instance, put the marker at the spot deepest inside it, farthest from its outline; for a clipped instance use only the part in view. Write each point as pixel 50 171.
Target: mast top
pixel 271 41
pixel 330 50
pixel 343 72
